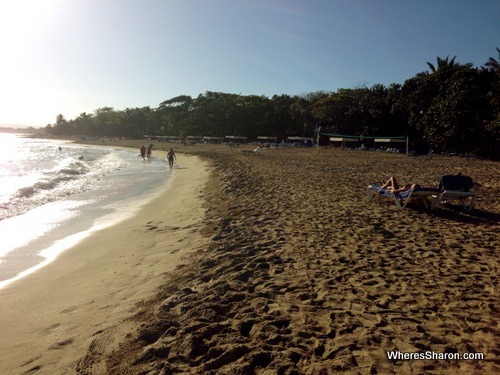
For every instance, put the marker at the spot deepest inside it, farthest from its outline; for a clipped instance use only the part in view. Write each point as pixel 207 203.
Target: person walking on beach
pixel 143 152
pixel 171 156
pixel 150 148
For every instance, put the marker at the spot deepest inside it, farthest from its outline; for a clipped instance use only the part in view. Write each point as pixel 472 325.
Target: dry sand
pixel 296 273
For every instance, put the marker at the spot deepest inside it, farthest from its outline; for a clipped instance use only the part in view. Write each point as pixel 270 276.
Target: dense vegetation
pixel 450 108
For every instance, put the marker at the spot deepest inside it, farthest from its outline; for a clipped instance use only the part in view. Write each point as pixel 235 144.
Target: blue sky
pixel 72 56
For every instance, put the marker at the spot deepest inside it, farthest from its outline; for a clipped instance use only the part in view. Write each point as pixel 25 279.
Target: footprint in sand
pixel 68 310
pixel 33 370
pixel 61 344
pixel 50 328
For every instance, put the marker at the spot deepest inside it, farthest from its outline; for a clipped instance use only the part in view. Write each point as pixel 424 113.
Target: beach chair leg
pixel 464 203
pixel 371 192
pixel 398 203
pixel 424 200
pixel 470 206
pixel 418 200
pixel 435 202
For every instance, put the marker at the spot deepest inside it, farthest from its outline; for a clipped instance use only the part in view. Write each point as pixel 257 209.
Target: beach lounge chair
pixel 455 188
pixel 417 193
pixel 255 152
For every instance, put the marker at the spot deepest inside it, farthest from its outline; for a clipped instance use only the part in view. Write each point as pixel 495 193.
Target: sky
pixel 73 56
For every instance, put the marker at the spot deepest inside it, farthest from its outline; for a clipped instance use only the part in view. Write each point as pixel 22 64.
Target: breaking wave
pixel 69 176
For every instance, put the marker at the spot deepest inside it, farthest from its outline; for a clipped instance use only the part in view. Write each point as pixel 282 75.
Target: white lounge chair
pixel 455 188
pixel 255 152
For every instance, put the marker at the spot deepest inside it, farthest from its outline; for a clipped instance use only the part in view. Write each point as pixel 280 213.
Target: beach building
pixel 236 138
pixel 170 138
pixel 212 139
pixel 301 141
pixel 391 144
pixel 191 139
pixel 343 141
pixel 264 138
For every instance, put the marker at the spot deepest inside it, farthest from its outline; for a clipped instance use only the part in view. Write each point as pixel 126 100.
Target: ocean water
pixel 54 193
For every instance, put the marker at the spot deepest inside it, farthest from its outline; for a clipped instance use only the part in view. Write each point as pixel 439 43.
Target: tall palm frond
pixel 446 64
pixel 494 64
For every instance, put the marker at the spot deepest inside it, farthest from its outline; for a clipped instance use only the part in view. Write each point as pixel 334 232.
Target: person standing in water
pixel 171 156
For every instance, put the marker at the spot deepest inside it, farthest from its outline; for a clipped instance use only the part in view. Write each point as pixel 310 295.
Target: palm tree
pixel 445 64
pixel 494 64
pixel 441 64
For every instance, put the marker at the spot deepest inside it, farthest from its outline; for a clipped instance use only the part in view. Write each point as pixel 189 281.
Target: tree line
pixel 452 107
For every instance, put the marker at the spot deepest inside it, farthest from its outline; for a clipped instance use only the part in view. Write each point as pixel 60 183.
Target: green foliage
pixel 448 108
pixel 453 108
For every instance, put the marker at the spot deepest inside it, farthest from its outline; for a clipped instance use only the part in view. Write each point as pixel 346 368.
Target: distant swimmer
pixel 148 151
pixel 143 152
pixel 171 157
pixel 59 148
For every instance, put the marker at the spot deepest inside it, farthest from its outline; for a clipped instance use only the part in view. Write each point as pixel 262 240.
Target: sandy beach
pixel 274 263
pixel 50 319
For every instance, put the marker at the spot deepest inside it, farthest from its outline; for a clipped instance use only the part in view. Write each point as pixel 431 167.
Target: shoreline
pixel 44 246
pixel 49 317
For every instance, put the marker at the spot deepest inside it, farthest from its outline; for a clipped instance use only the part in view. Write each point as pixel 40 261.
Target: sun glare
pixel 21 85
pixel 22 19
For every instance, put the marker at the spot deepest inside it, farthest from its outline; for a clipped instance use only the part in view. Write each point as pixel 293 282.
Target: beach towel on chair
pixel 379 190
pixel 402 198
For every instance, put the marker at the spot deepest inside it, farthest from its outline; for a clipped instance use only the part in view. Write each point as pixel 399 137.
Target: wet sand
pixel 50 319
pixel 296 272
